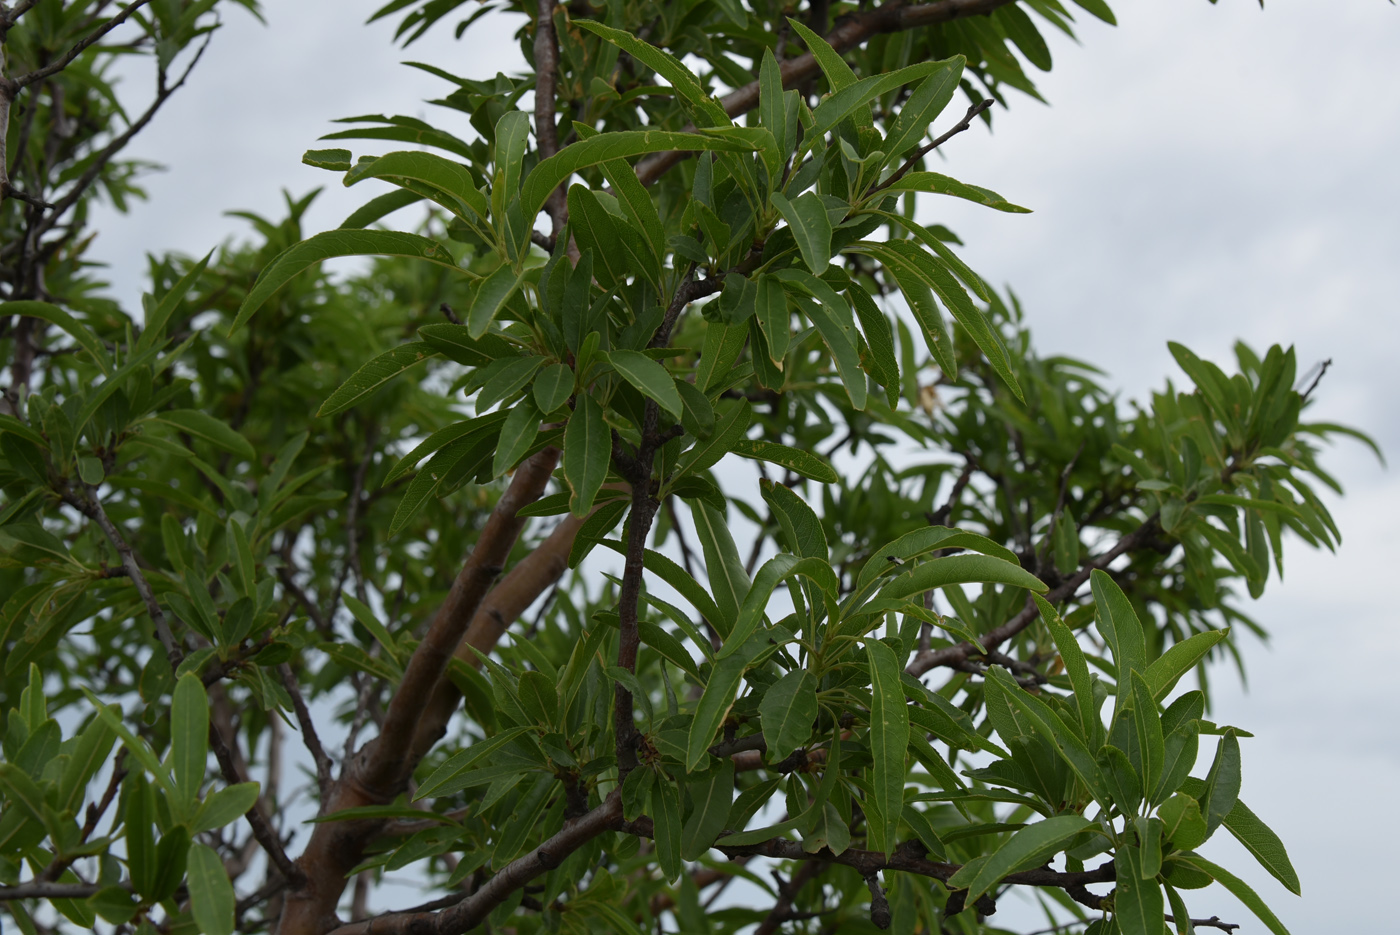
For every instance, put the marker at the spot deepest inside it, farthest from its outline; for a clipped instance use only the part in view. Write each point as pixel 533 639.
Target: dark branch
pixel 922 151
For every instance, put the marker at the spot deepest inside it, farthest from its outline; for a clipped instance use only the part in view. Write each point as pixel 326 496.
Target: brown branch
pixel 787 892
pixel 473 910
pixel 56 66
pixel 955 656
pixel 546 129
pixel 42 890
pixel 894 16
pixel 309 737
pixel 944 513
pixel 381 768
pixel 262 829
pixel 91 507
pixel 522 585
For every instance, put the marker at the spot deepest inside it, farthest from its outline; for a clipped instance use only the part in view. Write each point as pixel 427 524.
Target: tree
pixel 620 306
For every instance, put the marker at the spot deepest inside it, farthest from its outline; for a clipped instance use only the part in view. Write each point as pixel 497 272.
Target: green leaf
pixel 538 697
pixel 1100 9
pixel 189 738
pixel 491 294
pixel 1149 732
pixel 731 426
pixel 1076 667
pixel 1166 670
pixel 649 377
pixel 1239 889
pixel 378 207
pixel 685 82
pixel 456 342
pixel 446 779
pixel 226 805
pixel 960 569
pixel 620 144
pixel 836 324
pixel 671 573
pixel 58 317
pixel 923 106
pixel 926 312
pixel 1119 625
pixel 1138 906
pixel 1048 725
pixel 1261 841
pixel 787 712
pixel 937 184
pixel 803 463
pixel 922 541
pixel 211 893
pixel 666 818
pixel 553 387
pixel 1222 782
pixel 324 246
pixel 206 427
pixel 889 739
pixel 587 452
pixel 430 168
pixel 723 566
pixel 371 622
pixel 773 571
pixel 883 365
pixel 373 375
pixel 774 319
pixel 800 525
pixel 1029 847
pixel 711 799
pixel 518 433
pixel 841 104
pixel 811 227
pixel 714 705
pixel 838 73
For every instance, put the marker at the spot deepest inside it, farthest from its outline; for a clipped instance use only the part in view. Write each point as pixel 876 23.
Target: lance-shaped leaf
pixel 1149 732
pixel 1138 905
pixel 731 425
pixel 924 105
pixel 723 566
pixel 921 303
pixel 1239 889
pixel 961 569
pixel 1049 726
pixel 937 184
pixel 429 168
pixel 650 378
pixel 713 706
pixel 773 571
pixel 811 227
pixel 518 433
pixel 366 381
pixel 1119 625
pixel 674 575
pixel 57 316
pixel 922 541
pixel 803 463
pixel 889 738
pixel 799 523
pixel 444 779
pixel 774 319
pixel 491 295
pixel 324 246
pixel 214 431
pixel 1261 841
pixel 1077 667
pixel 211 894
pixel 1029 847
pixel 788 710
pixel 622 144
pixel 1167 669
pixel 1222 782
pixel 836 324
pixel 686 82
pixel 843 103
pixel 587 451
pixel 711 799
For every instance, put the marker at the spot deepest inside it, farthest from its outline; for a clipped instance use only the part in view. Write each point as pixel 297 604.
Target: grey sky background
pixel 1203 173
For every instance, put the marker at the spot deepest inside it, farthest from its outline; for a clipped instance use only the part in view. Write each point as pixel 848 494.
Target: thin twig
pixel 922 151
pixel 309 737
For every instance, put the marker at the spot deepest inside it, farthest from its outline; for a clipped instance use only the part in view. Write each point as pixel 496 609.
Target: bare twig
pixel 546 131
pixel 309 737
pixel 922 151
pixel 67 58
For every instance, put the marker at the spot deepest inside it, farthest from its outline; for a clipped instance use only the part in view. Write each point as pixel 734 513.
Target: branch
pixel 56 66
pixel 546 129
pixel 922 151
pixel 955 656
pixel 309 737
pixel 473 910
pixel 787 892
pixel 892 17
pixel 532 576
pixel 257 821
pixel 381 769
pixel 91 507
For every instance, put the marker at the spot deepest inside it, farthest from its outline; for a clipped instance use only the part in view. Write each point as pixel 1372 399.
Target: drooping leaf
pixel 889 738
pixel 587 452
pixel 650 378
pixel 375 374
pixel 811 227
pixel 787 713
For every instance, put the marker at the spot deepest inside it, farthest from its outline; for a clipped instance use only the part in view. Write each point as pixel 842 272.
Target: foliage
pixel 877 669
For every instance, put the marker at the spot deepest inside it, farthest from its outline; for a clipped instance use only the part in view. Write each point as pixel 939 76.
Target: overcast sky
pixel 1204 173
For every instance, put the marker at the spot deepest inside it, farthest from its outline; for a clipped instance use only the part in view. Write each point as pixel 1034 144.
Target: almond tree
pixel 579 538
